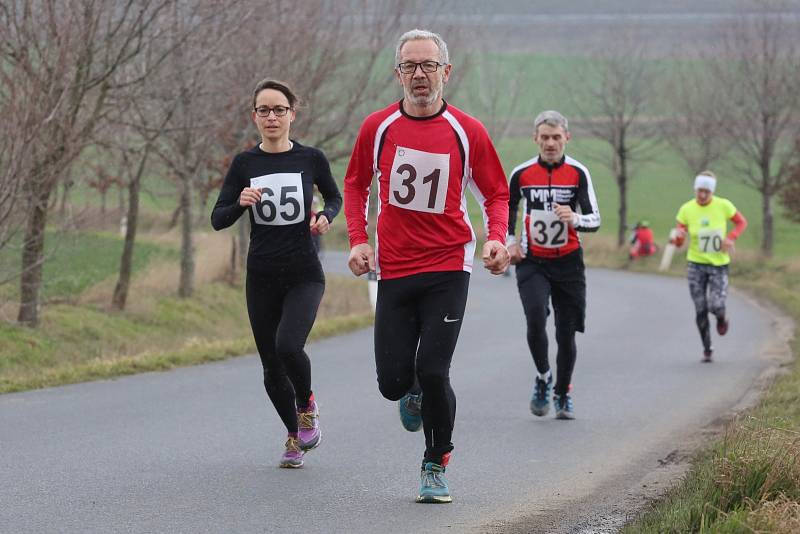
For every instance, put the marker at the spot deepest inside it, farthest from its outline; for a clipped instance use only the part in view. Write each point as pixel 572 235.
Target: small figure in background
pixel 642 242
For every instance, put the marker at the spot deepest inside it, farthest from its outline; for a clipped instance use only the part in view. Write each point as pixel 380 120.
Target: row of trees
pixel 739 98
pixel 127 87
pixel 134 84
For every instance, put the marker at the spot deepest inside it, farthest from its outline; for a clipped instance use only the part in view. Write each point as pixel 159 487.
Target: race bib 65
pixel 281 199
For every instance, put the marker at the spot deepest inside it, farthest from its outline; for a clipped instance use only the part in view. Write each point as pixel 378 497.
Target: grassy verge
pixel 77 260
pixel 76 343
pixel 749 480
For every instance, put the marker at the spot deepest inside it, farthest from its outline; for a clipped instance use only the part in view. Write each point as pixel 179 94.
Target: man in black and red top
pixel 424 153
pixel 558 202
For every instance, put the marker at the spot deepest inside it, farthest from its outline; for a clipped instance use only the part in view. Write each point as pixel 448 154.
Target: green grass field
pixel 78 260
pixel 80 338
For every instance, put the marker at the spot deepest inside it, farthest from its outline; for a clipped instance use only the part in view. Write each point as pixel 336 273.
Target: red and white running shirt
pixel 423 167
pixel 541 185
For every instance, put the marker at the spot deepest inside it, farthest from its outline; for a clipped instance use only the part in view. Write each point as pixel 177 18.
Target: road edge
pixel 619 500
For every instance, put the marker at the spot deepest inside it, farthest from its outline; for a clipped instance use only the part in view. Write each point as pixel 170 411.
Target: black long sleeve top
pixel 280 235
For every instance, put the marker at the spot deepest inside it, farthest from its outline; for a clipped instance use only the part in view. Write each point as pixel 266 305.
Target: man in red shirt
pixel 558 202
pixel 423 153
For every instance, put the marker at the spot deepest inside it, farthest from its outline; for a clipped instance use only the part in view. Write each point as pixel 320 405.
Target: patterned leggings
pixel 708 286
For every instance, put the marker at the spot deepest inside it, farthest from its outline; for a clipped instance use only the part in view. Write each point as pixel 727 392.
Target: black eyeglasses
pixel 279 111
pixel 409 67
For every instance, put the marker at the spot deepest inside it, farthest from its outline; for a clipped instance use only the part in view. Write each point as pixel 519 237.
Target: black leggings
pixel 282 309
pixel 417 322
pixel 563 281
pixel 708 286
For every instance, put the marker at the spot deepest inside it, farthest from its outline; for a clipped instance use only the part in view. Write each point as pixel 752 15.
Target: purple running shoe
pixel 309 434
pixel 293 455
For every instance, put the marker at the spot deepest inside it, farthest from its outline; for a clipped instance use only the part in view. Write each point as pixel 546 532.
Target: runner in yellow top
pixel 705 220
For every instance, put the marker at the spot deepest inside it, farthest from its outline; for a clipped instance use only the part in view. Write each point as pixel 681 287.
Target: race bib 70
pixel 709 240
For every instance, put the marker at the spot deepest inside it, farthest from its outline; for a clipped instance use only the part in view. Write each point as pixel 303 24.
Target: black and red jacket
pixel 540 185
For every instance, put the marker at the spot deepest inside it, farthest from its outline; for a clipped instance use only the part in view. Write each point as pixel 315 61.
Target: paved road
pixel 195 449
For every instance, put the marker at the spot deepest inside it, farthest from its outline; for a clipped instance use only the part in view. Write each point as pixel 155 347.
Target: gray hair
pixel 550 118
pixel 423 35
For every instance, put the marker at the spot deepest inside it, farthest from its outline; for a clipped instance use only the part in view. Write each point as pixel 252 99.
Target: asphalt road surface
pixel 196 449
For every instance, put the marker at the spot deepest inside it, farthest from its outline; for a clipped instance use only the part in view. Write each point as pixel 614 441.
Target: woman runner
pixel 704 219
pixel 274 182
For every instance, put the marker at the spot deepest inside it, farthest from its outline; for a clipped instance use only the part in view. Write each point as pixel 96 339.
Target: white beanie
pixel 703 181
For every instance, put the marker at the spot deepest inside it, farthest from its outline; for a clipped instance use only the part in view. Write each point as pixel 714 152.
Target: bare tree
pixel 497 94
pixel 198 71
pixel 758 74
pixel 135 160
pixel 15 130
pixel 338 61
pixel 23 118
pixel 149 121
pixel 134 146
pixel 615 90
pixel 66 53
pixel 235 132
pixel 695 126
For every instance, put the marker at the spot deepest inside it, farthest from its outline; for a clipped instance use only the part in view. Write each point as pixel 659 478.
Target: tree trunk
pixel 62 210
pixel 32 260
pixel 186 284
pixel 767 216
pixel 201 213
pixel 173 221
pixel 120 297
pixel 232 268
pixel 622 184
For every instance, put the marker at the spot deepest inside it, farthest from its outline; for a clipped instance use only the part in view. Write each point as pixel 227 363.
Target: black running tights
pixel 417 322
pixel 282 312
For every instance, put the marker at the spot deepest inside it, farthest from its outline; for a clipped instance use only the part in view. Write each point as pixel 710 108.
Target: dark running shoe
pixel 540 398
pixel 563 406
pixel 722 326
pixel 707 356
pixel 410 407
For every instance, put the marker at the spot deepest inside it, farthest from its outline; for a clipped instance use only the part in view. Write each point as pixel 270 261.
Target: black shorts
pixel 561 280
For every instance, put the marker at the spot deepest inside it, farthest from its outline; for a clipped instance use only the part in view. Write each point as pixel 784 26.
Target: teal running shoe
pixel 540 398
pixel 563 406
pixel 410 407
pixel 433 486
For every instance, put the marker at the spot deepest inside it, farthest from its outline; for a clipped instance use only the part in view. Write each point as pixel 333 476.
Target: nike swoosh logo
pixel 447 319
